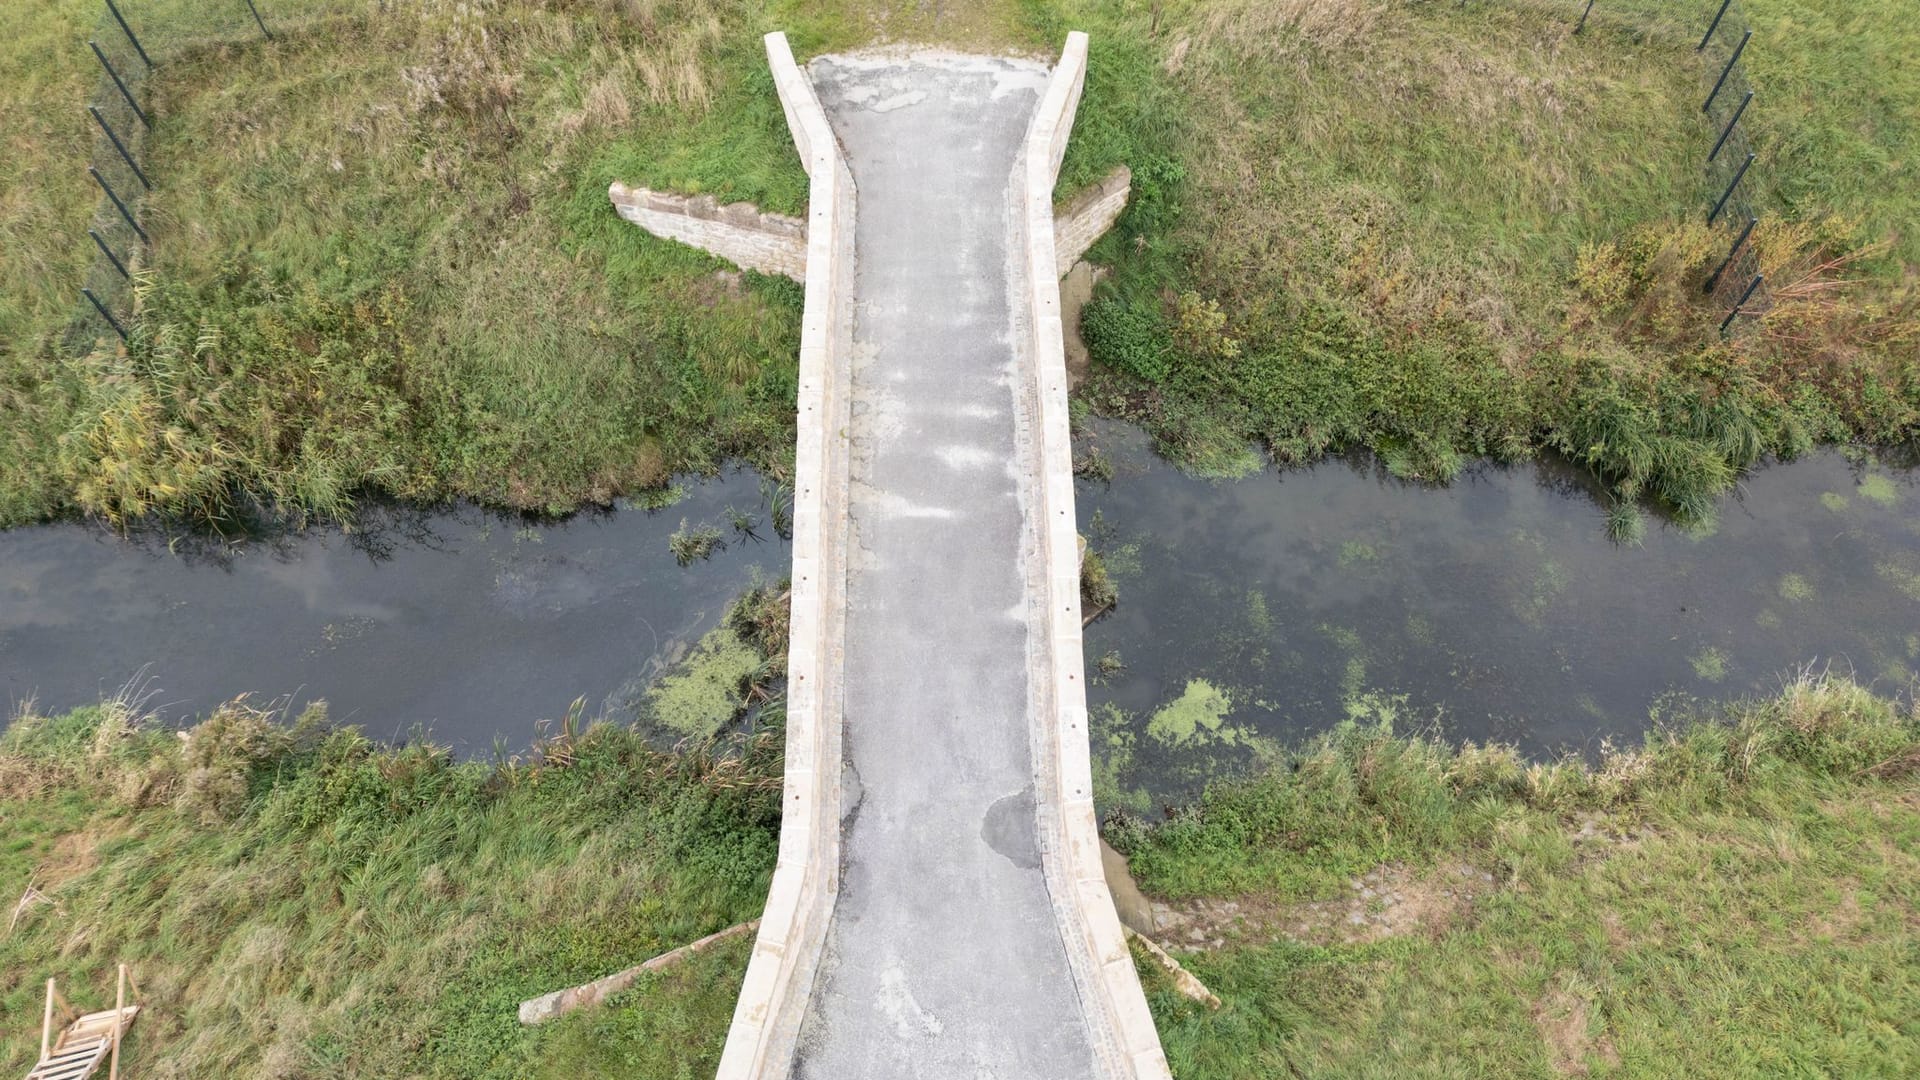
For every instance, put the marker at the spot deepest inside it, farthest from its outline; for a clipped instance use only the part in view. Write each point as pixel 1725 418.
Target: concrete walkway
pixel 943 956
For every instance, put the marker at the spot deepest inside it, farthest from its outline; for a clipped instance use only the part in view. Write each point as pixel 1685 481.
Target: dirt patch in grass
pixel 1561 1018
pixel 73 855
pixel 1393 900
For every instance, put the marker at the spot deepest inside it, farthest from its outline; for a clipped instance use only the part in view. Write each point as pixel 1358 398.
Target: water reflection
pixel 1255 612
pixel 468 623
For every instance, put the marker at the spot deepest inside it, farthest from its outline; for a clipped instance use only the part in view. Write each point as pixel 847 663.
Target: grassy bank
pixel 307 904
pixel 1486 239
pixel 1738 898
pixel 383 258
pixel 298 901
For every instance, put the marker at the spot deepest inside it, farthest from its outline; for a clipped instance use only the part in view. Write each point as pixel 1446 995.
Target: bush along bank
pixel 1738 896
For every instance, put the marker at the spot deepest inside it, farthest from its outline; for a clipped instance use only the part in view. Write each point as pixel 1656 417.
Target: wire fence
pixel 1729 158
pixel 132 41
pixel 1723 45
pixel 135 38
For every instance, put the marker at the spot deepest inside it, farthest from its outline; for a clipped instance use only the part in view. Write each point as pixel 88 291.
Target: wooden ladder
pixel 87 1040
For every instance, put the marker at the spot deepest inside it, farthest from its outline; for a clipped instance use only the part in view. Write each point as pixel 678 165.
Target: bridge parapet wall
pixel 1069 832
pixel 786 953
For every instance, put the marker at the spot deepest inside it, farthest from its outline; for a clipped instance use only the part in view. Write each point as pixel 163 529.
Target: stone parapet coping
pixel 786 953
pixel 1119 1023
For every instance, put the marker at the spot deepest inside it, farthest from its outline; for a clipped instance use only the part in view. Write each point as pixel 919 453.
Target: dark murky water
pixel 1255 612
pixel 470 624
pixel 1252 612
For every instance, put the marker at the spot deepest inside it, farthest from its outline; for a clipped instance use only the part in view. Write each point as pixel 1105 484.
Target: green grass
pixel 1485 239
pixel 1836 113
pixel 1736 898
pixel 48 75
pixel 1740 896
pixel 384 260
pixel 323 907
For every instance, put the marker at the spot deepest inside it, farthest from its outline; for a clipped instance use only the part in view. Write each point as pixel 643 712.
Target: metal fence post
pixel 105 314
pixel 1729 128
pixel 256 18
pixel 122 207
pixel 1731 252
pixel 115 76
pixel 1744 297
pixel 1583 17
pixel 108 252
pixel 1721 205
pixel 1728 70
pixel 124 156
pixel 1714 25
pixel 128 30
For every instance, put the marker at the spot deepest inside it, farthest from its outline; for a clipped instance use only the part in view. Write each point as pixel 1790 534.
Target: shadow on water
pixel 466 623
pixel 1254 613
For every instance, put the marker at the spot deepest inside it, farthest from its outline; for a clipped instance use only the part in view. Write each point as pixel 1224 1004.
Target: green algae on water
pixel 1197 716
pixel 1356 552
pixel 708 689
pixel 1900 577
pixel 1710 664
pixel 1879 488
pixel 1795 589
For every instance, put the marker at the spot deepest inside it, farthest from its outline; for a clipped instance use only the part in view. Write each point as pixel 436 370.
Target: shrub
pixel 1129 336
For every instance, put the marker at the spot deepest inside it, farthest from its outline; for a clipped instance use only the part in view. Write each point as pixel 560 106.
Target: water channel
pixel 1255 612
pixel 467 625
pixel 1252 613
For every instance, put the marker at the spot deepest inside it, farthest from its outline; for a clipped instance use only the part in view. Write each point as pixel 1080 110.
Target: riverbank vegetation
pixel 1487 239
pixel 298 901
pixel 1739 895
pixel 384 261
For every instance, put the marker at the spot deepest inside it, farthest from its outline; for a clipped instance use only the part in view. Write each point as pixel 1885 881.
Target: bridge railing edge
pixel 1071 855
pixel 767 1014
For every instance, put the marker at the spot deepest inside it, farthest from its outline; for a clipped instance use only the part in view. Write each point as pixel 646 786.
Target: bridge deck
pixel 943 956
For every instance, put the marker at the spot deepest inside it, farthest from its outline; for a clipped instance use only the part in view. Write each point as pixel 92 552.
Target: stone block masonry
pixel 1088 216
pixel 737 232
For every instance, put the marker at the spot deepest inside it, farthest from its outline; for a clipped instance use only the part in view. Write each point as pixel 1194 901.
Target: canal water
pixel 468 625
pixel 1252 613
pixel 1255 612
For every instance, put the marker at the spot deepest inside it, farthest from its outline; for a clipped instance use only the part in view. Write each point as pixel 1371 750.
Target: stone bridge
pixel 938 909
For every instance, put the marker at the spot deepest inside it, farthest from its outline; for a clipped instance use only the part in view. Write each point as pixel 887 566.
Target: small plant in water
pixel 1097 590
pixel 745 523
pixel 698 542
pixel 1094 465
pixel 1624 523
pixel 779 499
pixel 1110 665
